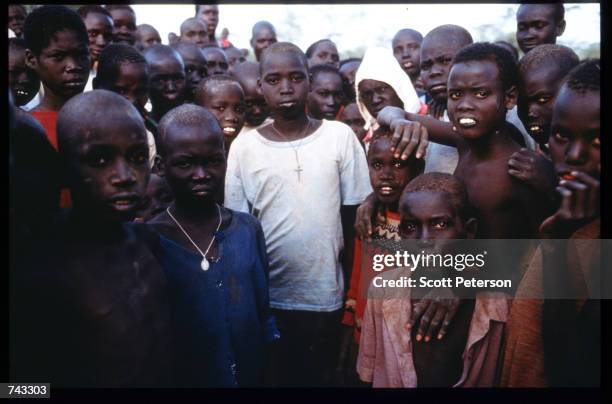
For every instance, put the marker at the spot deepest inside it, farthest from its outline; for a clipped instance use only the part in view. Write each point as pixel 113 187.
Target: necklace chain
pixel 187 235
pixel 299 169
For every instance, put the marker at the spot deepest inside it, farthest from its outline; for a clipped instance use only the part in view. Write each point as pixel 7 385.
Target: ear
pixel 560 28
pixel 159 167
pixel 31 60
pixel 511 97
pixel 471 225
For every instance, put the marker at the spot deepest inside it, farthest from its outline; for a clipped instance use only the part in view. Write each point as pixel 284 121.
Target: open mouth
pixel 467 122
pixel 230 131
pixel 386 190
pixel 74 84
pixel 123 203
pixel 407 65
pixel 438 88
pixel 536 130
pixel 287 104
pixel 21 93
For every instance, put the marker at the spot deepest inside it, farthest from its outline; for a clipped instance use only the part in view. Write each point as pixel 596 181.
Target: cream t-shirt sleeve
pixel 354 177
pixel 235 194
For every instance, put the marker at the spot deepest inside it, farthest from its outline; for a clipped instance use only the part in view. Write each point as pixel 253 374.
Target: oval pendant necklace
pixel 205 264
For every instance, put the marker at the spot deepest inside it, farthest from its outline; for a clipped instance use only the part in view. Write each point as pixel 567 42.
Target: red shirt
pixel 48 120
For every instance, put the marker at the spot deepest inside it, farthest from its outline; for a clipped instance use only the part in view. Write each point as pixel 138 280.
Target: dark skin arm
pixel 537 172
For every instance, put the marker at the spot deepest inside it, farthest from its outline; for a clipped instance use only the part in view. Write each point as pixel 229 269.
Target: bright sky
pixel 354 25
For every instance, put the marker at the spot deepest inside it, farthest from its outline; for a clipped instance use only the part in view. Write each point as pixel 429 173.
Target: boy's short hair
pixel 558 9
pixel 44 22
pixel 111 7
pixel 283 47
pixel 560 56
pixel 585 77
pixel 319 69
pixel 481 51
pixel 185 115
pixel 508 46
pixel 312 47
pixel 450 33
pixel 213 81
pixel 112 57
pixel 448 184
pixel 384 132
pixel 84 11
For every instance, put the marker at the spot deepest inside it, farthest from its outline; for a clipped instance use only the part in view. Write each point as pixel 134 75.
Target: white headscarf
pixel 379 64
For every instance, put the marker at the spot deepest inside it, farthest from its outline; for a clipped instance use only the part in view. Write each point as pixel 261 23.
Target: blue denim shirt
pixel 222 315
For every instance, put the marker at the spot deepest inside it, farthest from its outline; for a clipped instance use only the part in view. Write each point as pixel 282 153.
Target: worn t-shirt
pixel 300 210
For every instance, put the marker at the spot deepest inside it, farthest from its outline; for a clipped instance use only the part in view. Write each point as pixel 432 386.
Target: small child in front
pixel 214 258
pixel 433 206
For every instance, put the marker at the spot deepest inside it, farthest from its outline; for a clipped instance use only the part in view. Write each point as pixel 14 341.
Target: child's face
pixel 536 100
pixel 428 216
pixel 234 56
pixel 100 33
pixel 157 198
pixel 376 95
pixel 348 71
pixel 325 97
pixel 216 61
pixel 477 103
pixel 125 26
pixel 226 102
pixel 263 38
pixel 256 109
pixel 407 51
pixel 195 69
pixel 131 83
pixel 352 117
pixel 23 81
pixel 194 164
pixel 63 66
pixel 167 82
pixel 111 168
pixel 388 175
pixel 195 33
pixel 325 53
pixel 210 15
pixel 284 83
pixel 436 58
pixel 575 132
pixel 536 25
pixel 147 37
pixel 16 17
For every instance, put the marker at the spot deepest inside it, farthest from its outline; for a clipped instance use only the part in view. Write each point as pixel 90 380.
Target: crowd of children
pixel 181 216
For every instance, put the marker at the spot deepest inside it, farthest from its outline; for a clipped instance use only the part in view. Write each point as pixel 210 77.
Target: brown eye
pixel 440 225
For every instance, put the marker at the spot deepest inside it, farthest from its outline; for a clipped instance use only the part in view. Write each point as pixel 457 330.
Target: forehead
pixel 165 62
pixel 208 8
pixel 535 12
pixel 181 138
pixel 574 108
pixel 230 92
pixel 110 132
pixel 326 46
pixel 192 55
pixel 97 20
pixel 65 39
pixel 546 76
pixel 264 33
pixel 282 61
pixel 213 54
pixel 379 148
pixel 194 25
pixel 327 79
pixel 475 72
pixel 432 48
pixel 406 38
pixel 369 84
pixel 132 72
pixel 122 14
pixel 424 204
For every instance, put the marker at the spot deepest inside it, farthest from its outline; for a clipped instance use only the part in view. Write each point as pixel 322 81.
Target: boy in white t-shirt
pixel 295 175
